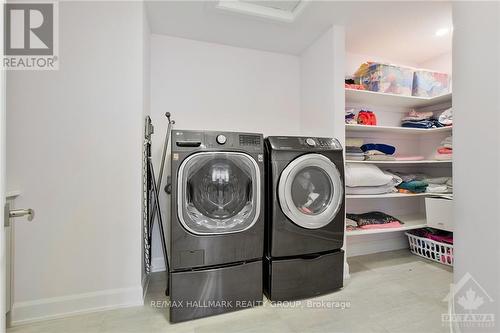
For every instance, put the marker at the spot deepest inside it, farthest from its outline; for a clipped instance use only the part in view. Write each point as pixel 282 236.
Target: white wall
pixel 3 238
pixel 217 87
pixel 476 52
pixel 322 86
pixel 441 63
pixel 146 48
pixel 74 150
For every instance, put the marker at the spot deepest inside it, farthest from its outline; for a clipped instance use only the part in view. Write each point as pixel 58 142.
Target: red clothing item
pixel 367 118
pixel 444 150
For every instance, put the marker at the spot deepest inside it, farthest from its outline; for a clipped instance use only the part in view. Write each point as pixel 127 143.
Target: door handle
pixel 17 213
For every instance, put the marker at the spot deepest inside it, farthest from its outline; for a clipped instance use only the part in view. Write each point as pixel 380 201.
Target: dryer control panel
pixel 304 143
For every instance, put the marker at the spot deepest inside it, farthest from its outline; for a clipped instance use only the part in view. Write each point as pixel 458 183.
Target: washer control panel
pixel 195 140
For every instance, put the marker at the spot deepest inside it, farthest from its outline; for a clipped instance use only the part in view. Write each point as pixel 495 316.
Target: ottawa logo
pixel 469 305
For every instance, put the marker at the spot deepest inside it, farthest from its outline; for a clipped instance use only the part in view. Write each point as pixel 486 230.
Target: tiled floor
pixel 387 292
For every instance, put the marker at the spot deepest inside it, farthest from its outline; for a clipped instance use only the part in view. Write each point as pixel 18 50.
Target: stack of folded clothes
pixel 439 185
pixel 411 182
pixel 372 220
pixel 350 116
pixel 378 152
pixel 353 151
pixel 354 154
pixel 445 150
pixel 416 119
pixel 369 179
pixel 446 117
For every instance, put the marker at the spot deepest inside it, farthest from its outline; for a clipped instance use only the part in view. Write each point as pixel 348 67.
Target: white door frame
pixel 3 137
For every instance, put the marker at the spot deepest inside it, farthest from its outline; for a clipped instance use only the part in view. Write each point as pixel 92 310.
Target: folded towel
pixel 374 152
pixel 437 180
pixel 415 115
pixel 367 190
pixel 355 157
pixel 443 157
pixel 438 188
pixel 408 177
pixel 352 149
pixel 447 142
pixel 415 186
pixel 380 158
pixel 353 142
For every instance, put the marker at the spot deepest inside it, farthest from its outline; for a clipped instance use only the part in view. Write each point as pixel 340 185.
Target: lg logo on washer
pixel 30 36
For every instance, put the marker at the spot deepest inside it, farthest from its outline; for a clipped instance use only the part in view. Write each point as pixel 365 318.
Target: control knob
pixel 221 139
pixel 310 142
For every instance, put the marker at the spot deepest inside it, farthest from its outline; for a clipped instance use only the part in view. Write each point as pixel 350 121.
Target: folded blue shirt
pixel 386 149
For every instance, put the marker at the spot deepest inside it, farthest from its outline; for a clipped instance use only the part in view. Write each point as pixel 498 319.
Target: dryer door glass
pixel 311 191
pixel 218 192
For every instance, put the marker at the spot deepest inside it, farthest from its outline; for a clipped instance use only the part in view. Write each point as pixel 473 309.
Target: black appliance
pixel 215 237
pixel 305 211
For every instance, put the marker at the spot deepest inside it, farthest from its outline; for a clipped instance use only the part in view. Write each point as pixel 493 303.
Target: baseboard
pixel 157 265
pixel 65 306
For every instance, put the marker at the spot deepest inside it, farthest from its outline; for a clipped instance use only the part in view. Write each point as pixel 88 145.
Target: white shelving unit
pixel 375 98
pixel 409 208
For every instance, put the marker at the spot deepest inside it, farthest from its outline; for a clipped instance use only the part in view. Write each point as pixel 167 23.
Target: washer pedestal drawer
pixel 206 292
pixel 303 277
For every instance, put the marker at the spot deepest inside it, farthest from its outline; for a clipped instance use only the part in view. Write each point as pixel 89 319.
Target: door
pixel 310 191
pixel 218 193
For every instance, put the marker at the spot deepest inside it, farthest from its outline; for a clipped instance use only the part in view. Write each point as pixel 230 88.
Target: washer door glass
pixel 218 192
pixel 311 191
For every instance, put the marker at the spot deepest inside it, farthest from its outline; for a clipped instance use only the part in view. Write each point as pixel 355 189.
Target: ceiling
pixel 393 30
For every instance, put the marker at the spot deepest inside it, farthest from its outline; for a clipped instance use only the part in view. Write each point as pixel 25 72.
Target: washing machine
pixel 305 217
pixel 215 237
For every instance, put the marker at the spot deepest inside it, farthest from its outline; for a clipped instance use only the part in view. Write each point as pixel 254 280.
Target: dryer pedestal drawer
pixel 304 277
pixel 202 293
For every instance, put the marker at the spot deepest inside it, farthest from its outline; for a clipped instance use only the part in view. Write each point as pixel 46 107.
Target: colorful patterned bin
pixel 430 84
pixel 385 78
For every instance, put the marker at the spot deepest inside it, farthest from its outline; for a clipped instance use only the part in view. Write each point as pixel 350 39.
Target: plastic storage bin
pixel 430 84
pixel 385 78
pixel 430 249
